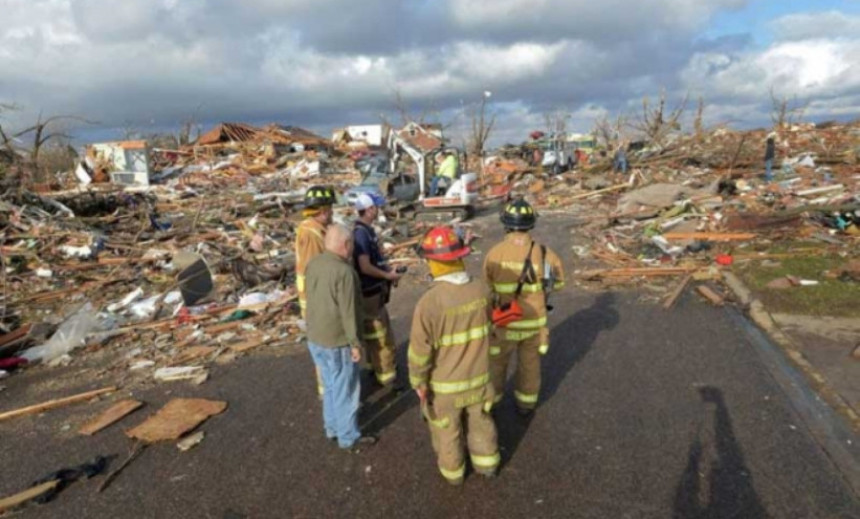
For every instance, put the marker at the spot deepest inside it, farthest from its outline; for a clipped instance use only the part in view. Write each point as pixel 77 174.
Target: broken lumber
pixel 53 404
pixel 673 297
pixel 114 414
pixel 636 272
pixel 710 295
pixel 709 236
pixel 8 503
pixel 617 187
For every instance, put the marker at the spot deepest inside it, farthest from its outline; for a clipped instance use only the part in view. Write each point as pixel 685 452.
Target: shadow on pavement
pixel 383 406
pixel 570 342
pixel 716 481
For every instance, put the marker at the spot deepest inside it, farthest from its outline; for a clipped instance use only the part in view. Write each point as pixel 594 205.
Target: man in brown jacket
pixel 449 361
pixel 334 321
pixel 504 267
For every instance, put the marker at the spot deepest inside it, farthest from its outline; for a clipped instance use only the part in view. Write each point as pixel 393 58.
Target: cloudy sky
pixel 324 63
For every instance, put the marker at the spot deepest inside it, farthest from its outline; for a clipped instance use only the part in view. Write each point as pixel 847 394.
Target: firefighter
pixel 449 360
pixel 310 240
pixel 506 269
pixel 376 281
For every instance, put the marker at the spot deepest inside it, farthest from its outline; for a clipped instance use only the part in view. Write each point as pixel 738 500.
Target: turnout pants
pixel 529 345
pixel 453 424
pixel 379 339
pixel 303 308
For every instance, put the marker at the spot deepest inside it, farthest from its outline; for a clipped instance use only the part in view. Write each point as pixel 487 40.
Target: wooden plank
pixel 20 498
pixel 176 418
pixel 710 236
pixel 636 272
pixel 53 404
pixel 598 192
pixel 710 295
pixel 673 297
pixel 114 414
pixel 192 353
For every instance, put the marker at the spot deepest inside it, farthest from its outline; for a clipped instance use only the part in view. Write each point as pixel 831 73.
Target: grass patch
pixel 830 298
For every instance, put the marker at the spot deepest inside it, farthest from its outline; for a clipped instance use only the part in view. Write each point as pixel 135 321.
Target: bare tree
pixel 46 130
pixel 6 139
pixel 482 126
pixel 556 120
pixel 189 126
pixel 608 132
pixel 656 123
pixel 785 111
pixel 698 122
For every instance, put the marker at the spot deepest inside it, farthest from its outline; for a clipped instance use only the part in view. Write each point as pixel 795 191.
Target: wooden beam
pixel 710 295
pixel 673 297
pixel 114 414
pixel 710 236
pixel 617 187
pixel 636 272
pixel 53 404
pixel 20 498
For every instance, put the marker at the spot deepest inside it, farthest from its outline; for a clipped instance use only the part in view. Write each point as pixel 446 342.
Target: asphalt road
pixel 644 413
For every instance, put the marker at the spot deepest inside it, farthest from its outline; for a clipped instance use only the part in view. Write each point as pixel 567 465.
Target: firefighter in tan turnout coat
pixel 449 360
pixel 505 268
pixel 310 240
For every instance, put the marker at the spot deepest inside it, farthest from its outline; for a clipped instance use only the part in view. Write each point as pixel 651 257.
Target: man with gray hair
pixel 334 320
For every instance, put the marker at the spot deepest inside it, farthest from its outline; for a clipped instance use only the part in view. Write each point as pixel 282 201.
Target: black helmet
pixel 319 196
pixel 518 216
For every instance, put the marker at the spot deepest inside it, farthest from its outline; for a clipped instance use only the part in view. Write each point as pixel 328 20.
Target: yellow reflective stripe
pixel 446 388
pixel 300 282
pixel 421 360
pixel 520 336
pixel 303 304
pixel 464 337
pixel 558 284
pixel 378 334
pixel 526 399
pixel 385 377
pixel 510 288
pixel 495 350
pixel 543 348
pixel 486 461
pixel 488 406
pixel 417 381
pixel 528 324
pixel 454 474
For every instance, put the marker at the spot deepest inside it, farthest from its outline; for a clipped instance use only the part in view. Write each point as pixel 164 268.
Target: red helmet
pixel 442 244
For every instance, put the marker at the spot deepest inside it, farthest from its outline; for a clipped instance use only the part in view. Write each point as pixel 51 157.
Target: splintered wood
pixel 114 414
pixel 176 418
pixel 53 404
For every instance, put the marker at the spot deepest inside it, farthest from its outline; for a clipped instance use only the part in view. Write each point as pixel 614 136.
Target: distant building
pixel 372 134
pixel 126 162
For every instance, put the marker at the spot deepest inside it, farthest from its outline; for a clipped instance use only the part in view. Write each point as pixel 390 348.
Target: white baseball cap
pixel 365 201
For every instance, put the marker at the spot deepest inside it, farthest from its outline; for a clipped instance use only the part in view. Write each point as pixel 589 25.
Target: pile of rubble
pixel 194 266
pixel 701 202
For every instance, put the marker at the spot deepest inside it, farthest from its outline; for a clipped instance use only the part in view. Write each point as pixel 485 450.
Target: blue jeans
pixel 768 170
pixel 434 185
pixel 621 165
pixel 340 376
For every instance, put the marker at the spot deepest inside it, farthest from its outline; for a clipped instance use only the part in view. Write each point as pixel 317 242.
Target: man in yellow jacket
pixel 519 261
pixel 310 241
pixel 449 361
